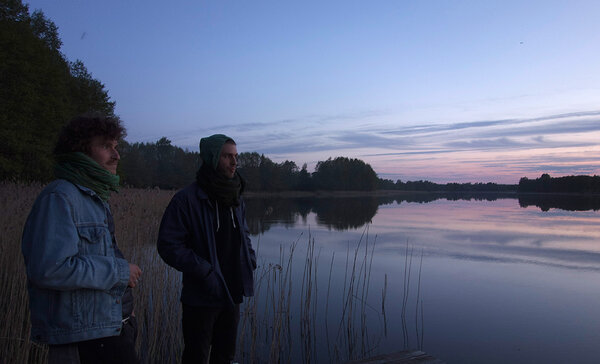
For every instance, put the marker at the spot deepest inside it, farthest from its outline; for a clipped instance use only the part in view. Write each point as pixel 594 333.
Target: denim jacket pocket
pixel 92 239
pixel 65 309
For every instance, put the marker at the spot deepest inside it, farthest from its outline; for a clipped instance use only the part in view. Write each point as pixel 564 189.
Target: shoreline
pixel 380 193
pixel 375 193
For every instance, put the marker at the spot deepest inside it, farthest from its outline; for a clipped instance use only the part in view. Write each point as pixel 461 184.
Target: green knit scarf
pixel 79 168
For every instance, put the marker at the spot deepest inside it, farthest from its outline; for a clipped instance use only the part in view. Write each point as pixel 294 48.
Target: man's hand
pixel 135 273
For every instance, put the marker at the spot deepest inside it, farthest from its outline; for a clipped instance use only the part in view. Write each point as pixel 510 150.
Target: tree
pixel 345 174
pixel 304 182
pixel 87 93
pixel 45 30
pixel 566 184
pixel 13 10
pixel 158 164
pixel 39 92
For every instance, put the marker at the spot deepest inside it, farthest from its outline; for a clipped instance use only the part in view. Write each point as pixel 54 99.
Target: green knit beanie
pixel 210 149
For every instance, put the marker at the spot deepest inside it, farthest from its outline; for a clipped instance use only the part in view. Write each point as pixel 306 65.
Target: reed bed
pixel 290 319
pixel 15 346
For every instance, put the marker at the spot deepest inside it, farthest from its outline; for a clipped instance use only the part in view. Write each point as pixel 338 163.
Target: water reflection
pixel 347 213
pixel 563 202
pixel 344 214
pixel 262 213
pixel 505 280
pixel 332 213
pixel 498 231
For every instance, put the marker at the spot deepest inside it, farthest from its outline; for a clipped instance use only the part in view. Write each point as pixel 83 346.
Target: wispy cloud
pixel 553 124
pixel 487 144
pixel 362 139
pixel 500 150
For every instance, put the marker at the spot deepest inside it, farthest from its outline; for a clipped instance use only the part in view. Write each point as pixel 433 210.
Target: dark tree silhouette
pixel 39 92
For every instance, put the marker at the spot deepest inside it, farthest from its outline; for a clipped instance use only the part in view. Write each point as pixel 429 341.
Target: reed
pixel 15 346
pixel 284 321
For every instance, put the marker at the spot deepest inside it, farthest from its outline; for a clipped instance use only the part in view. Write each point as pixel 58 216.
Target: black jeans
pixel 209 330
pixel 112 349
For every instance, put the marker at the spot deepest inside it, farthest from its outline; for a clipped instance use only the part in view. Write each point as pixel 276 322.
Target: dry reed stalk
pixel 419 339
pixel 327 308
pixel 137 215
pixel 405 293
pixel 308 302
pixel 383 294
pixel 15 346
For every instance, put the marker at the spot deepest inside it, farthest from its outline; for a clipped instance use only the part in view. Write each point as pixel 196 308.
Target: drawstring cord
pixel 218 221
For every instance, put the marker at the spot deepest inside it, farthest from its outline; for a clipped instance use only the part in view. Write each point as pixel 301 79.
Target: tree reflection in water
pixel 347 213
pixel 332 212
pixel 563 202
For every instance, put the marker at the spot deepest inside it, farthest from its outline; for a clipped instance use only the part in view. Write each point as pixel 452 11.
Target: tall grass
pixel 137 218
pixel 288 320
pixel 15 346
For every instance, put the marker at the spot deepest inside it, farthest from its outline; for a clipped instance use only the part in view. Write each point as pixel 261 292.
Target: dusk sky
pixel 447 91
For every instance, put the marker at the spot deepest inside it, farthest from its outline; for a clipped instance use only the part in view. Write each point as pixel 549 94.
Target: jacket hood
pixel 210 149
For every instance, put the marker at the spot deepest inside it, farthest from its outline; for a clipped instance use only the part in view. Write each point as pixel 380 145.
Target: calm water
pixel 502 280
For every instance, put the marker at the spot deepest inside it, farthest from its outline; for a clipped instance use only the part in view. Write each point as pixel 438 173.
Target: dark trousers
pixel 209 330
pixel 112 349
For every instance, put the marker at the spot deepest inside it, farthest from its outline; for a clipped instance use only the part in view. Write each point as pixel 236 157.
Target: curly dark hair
pixel 77 135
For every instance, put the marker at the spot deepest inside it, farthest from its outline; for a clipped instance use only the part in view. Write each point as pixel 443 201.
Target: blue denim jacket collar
pixel 90 192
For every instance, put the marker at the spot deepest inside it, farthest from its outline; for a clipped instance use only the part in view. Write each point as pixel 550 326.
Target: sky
pixel 445 91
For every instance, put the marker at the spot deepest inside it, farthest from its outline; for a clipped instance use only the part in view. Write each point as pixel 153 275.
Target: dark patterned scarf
pixel 226 191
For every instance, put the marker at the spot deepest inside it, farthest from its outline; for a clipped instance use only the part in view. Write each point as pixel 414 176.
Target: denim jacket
pixel 186 242
pixel 74 279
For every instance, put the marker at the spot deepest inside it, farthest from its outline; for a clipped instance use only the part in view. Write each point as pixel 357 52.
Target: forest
pixel 166 166
pixel 40 90
pixel 566 184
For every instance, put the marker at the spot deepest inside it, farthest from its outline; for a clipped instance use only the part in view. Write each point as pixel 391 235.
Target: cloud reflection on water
pixel 480 230
pixel 497 231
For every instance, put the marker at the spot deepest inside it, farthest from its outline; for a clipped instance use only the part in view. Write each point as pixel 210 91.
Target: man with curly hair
pixel 79 283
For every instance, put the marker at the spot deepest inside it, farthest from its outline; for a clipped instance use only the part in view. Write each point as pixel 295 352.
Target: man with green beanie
pixel 79 283
pixel 203 233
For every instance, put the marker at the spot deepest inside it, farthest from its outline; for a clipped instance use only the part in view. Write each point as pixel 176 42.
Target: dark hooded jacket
pixel 186 242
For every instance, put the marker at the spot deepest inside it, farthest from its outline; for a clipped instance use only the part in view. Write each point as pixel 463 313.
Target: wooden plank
pixel 400 357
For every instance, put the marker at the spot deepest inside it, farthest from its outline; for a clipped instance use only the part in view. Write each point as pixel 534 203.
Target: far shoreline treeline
pixel 166 166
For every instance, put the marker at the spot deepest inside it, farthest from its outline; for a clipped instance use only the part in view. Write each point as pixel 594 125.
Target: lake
pixel 467 279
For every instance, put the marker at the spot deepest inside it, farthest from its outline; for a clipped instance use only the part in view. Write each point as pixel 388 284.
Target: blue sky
pixel 465 91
